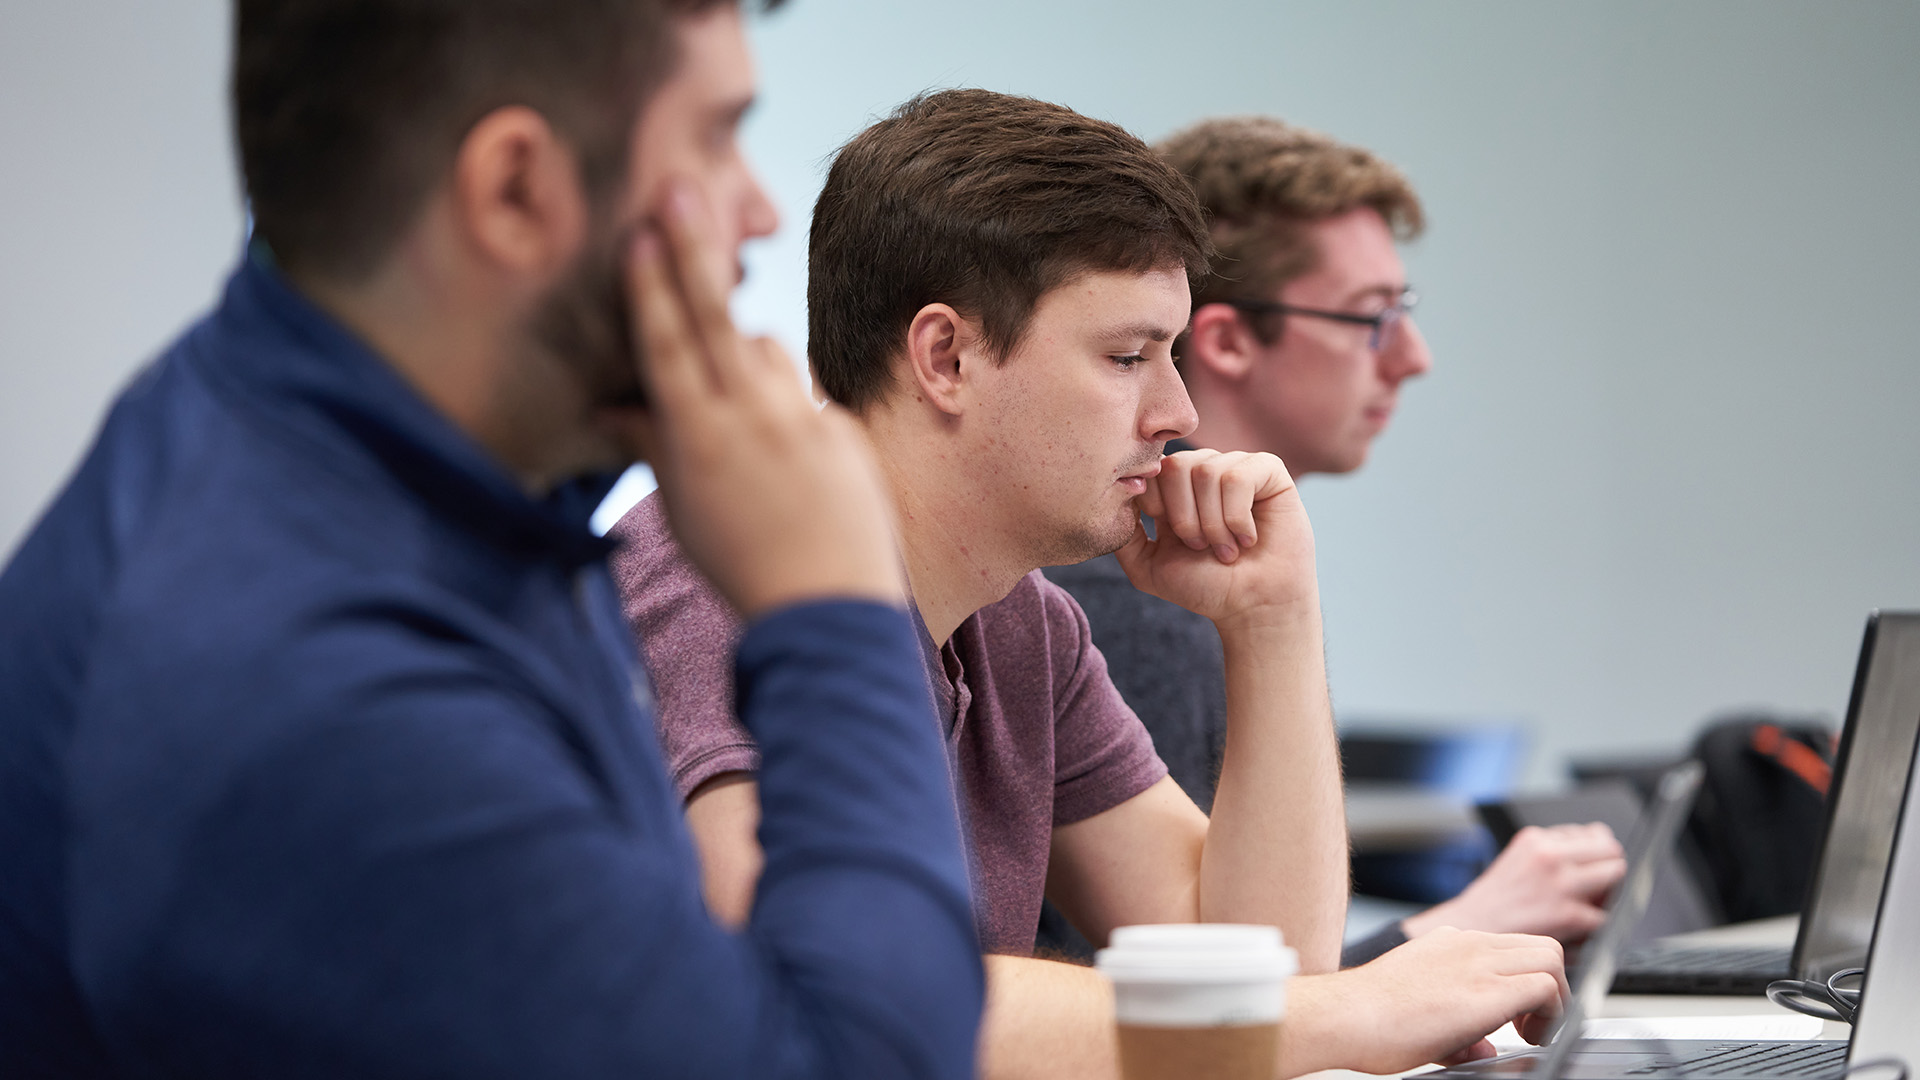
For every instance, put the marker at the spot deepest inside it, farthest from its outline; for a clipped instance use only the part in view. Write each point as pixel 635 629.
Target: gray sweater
pixel 1168 665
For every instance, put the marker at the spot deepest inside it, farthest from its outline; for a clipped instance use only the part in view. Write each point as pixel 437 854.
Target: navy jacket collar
pixel 312 377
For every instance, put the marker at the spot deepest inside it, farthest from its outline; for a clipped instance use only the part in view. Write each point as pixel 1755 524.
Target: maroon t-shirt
pixel 1036 734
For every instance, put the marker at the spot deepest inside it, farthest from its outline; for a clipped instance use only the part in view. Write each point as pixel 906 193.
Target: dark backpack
pixel 1757 823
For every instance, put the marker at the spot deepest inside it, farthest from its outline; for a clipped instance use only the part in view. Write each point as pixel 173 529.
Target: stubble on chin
pixel 1093 539
pixel 1102 535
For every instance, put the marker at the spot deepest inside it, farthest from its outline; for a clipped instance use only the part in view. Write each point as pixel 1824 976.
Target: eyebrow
pixel 1389 292
pixel 1136 331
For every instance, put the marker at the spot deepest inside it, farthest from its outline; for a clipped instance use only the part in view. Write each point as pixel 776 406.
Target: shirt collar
pixel 310 375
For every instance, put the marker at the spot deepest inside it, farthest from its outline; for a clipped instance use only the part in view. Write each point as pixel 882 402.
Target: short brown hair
pixel 984 201
pixel 348 112
pixel 1263 181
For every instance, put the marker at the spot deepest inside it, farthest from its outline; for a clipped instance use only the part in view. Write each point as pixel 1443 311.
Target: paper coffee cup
pixel 1198 1000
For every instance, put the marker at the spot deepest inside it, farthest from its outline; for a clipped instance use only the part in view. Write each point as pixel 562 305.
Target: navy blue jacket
pixel 321 754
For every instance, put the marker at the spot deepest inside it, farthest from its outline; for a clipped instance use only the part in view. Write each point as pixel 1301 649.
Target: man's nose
pixel 758 215
pixel 1406 355
pixel 1169 412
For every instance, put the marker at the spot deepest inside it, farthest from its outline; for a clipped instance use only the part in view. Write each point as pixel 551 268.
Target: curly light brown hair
pixel 1263 182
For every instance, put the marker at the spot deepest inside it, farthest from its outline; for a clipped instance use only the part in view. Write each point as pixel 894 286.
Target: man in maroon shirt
pixel 995 287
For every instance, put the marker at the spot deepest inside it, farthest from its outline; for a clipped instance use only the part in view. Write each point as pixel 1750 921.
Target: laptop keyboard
pixel 1751 1058
pixel 1681 960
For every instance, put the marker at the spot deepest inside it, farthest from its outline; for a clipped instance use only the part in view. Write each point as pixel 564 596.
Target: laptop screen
pixel 1883 719
pixel 1890 999
pixel 1600 957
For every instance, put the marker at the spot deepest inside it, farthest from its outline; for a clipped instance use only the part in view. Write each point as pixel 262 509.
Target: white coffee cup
pixel 1198 999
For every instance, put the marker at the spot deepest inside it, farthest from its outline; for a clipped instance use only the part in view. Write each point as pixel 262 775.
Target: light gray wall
pixel 1669 457
pixel 1666 463
pixel 119 214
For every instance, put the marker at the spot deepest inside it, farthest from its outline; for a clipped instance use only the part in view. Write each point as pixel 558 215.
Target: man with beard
pixel 1300 343
pixel 321 751
pixel 995 285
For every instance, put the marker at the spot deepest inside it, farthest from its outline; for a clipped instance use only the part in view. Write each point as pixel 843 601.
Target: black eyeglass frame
pixel 1381 325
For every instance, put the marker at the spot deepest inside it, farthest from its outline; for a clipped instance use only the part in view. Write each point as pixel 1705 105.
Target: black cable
pixel 1824 1000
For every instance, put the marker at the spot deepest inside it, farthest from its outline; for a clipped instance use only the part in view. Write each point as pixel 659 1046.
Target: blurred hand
pixel 1436 998
pixel 774 500
pixel 1231 537
pixel 1550 881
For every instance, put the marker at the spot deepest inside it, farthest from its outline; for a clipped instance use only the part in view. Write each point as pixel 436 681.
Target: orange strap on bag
pixel 1794 756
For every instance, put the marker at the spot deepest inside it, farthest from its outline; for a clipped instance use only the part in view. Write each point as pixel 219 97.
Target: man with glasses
pixel 1299 344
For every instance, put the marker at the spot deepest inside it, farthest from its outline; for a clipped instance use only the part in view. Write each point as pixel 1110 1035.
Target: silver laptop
pixel 1885 1042
pixel 1650 843
pixel 1679 904
pixel 1877 746
pixel 1887 1026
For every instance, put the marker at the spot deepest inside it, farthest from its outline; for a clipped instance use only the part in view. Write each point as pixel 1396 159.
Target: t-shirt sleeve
pixel 1103 755
pixel 689 635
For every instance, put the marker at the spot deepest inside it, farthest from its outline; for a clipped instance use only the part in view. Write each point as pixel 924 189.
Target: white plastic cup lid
pixel 1197 952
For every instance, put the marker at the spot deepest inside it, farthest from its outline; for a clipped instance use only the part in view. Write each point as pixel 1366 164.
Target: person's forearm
pixel 1276 849
pixel 1055 1021
pixel 1325 1027
pixel 1439 915
pixel 1046 1019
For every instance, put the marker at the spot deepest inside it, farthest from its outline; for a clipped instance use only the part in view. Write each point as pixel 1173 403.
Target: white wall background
pixel 1667 461
pixel 119 214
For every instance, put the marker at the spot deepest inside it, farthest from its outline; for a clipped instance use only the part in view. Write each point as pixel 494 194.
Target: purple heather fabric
pixel 1036 737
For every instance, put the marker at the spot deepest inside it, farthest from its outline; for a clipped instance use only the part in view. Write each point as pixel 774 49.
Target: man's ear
pixel 1221 342
pixel 941 354
pixel 516 193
